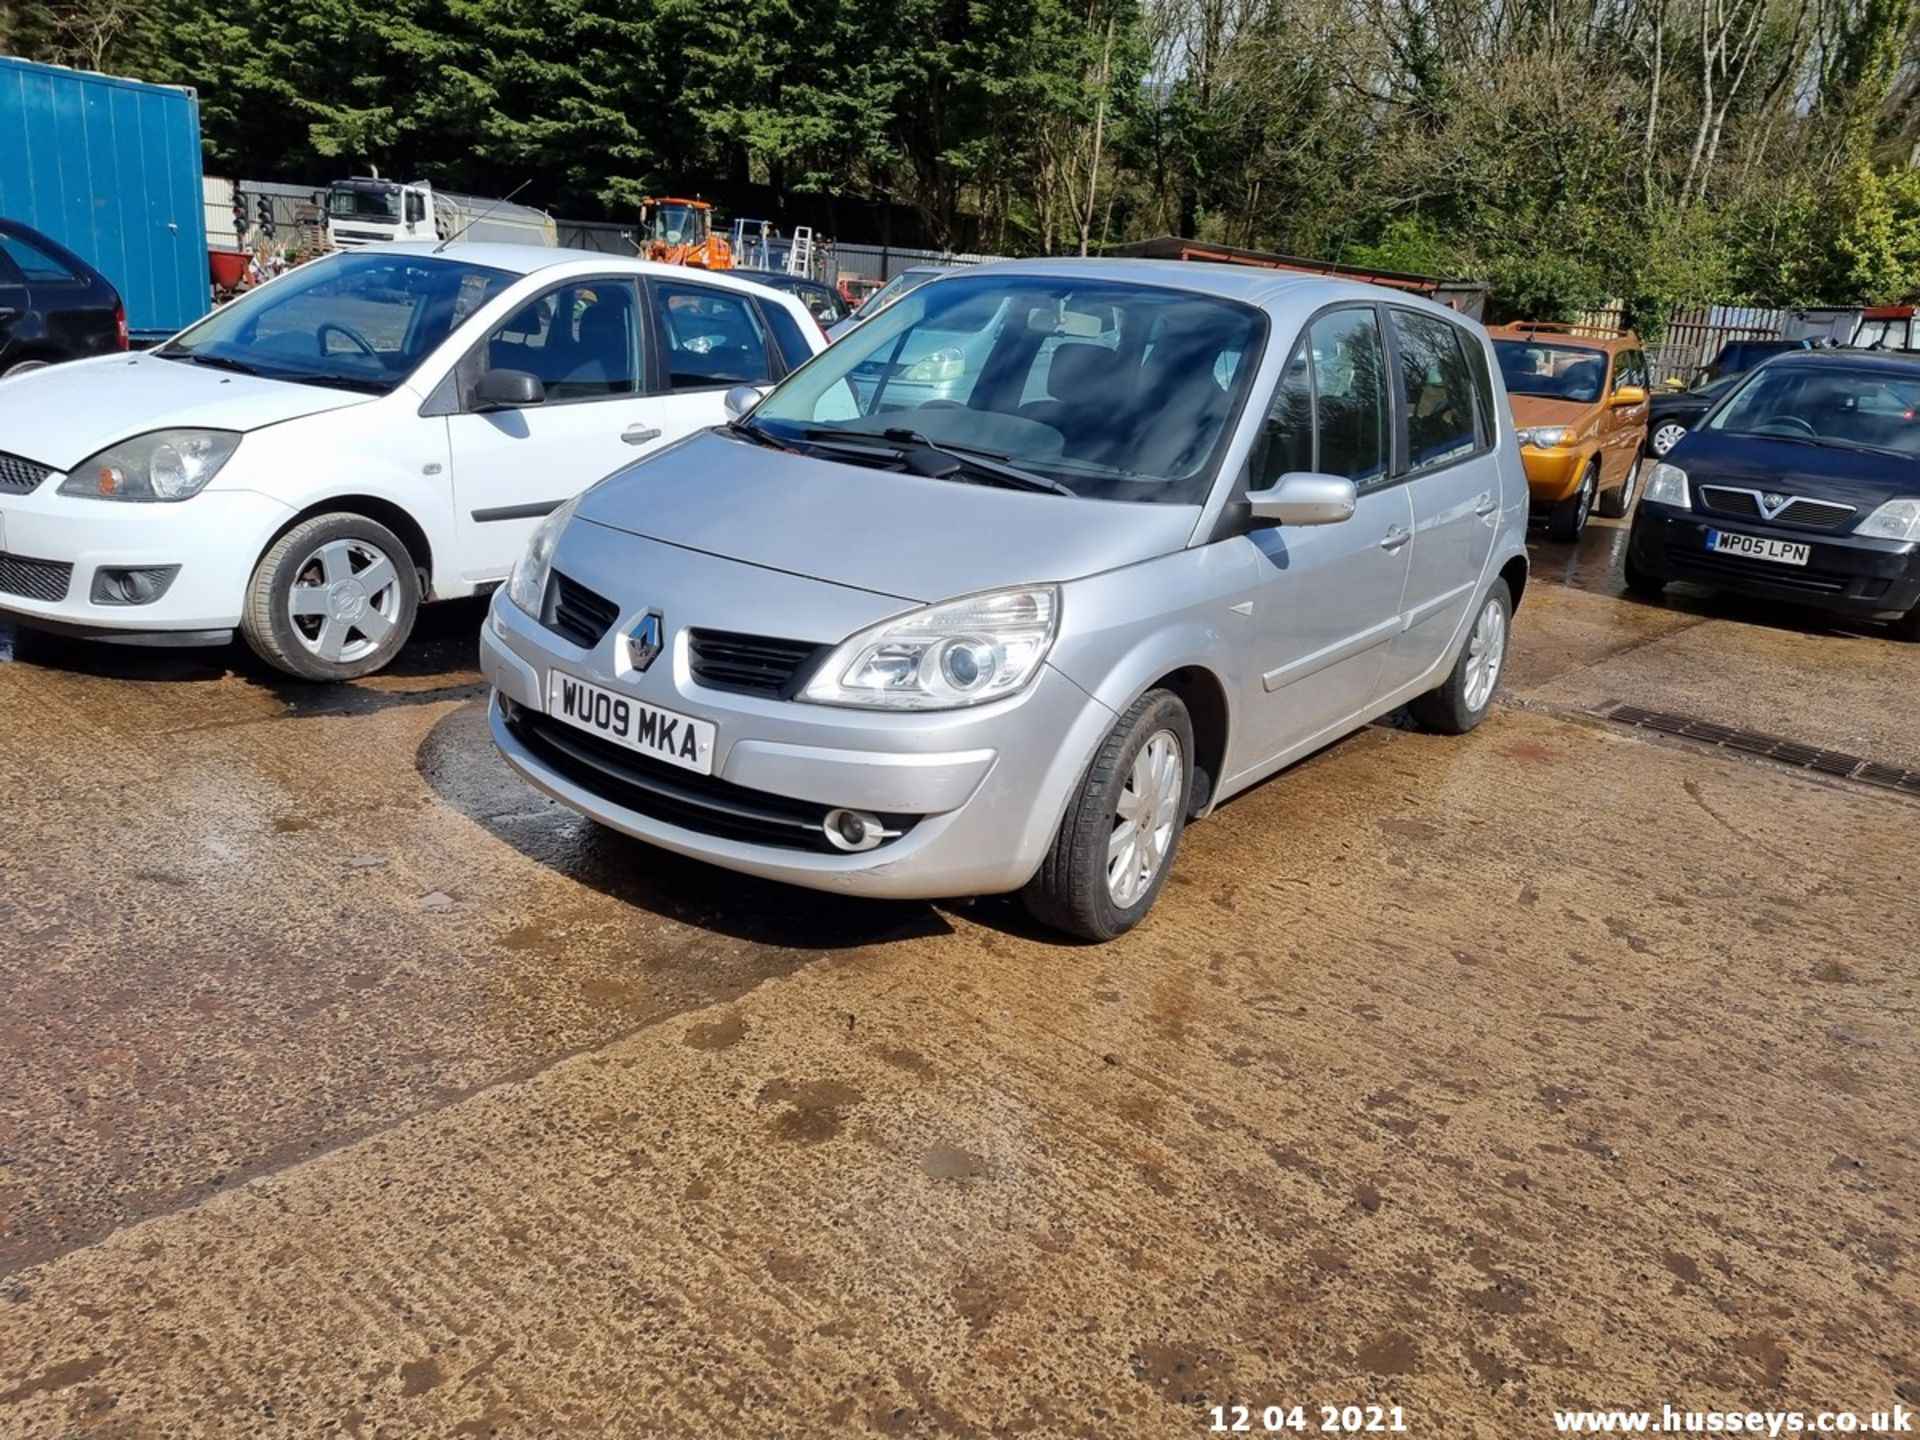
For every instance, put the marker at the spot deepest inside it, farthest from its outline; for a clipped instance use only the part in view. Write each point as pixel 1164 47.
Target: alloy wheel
pixel 345 600
pixel 1486 653
pixel 1144 819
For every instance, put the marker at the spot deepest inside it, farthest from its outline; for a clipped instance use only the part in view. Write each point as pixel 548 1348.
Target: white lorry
pixel 365 209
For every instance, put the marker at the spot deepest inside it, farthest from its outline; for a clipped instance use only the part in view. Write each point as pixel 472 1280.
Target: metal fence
pixel 883 262
pixel 1693 334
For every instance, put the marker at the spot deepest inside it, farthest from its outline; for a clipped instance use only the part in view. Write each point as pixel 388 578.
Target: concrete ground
pixel 351 1088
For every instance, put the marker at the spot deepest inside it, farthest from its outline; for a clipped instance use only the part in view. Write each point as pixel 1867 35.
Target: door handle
pixel 8 312
pixel 1484 505
pixel 1396 537
pixel 639 434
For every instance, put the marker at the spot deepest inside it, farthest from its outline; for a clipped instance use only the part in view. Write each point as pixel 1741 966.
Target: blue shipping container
pixel 111 169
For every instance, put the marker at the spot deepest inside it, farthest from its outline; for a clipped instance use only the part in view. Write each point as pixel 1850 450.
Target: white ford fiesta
pixel 375 429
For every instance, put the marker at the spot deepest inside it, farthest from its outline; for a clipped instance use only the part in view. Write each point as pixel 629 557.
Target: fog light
pixel 853 830
pixel 140 585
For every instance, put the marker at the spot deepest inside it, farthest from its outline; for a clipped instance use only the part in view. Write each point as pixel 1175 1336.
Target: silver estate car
pixel 1170 528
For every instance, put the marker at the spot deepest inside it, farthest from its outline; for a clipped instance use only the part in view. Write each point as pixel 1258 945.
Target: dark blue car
pixel 1802 484
pixel 53 305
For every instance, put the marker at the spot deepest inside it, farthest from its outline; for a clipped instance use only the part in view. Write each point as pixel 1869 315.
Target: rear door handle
pixel 1395 538
pixel 639 434
pixel 1484 506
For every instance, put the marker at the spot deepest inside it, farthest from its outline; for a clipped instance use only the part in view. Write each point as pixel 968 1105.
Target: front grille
pixel 20 477
pixel 35 579
pixel 1709 563
pixel 576 612
pixel 750 664
pixel 1802 512
pixel 667 793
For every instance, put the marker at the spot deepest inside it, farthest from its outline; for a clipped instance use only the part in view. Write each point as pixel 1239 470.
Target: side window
pixel 1285 442
pixel 787 336
pixel 582 341
pixel 36 264
pixel 1437 388
pixel 712 337
pixel 1350 395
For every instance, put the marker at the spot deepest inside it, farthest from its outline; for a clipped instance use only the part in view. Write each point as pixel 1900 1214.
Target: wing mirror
pixel 739 401
pixel 1302 498
pixel 1629 395
pixel 508 390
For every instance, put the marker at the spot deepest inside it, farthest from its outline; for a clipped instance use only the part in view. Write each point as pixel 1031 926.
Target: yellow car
pixel 1579 399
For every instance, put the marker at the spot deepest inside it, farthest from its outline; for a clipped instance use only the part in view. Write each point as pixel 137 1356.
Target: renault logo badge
pixel 643 640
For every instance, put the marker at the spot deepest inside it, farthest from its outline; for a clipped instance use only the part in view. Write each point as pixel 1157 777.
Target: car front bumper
pixel 1863 578
pixel 979 792
pixel 1553 475
pixel 53 546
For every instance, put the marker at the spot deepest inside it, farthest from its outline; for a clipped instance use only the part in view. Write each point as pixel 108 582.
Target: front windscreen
pixel 1848 407
pixel 1114 391
pixel 1552 372
pixel 360 322
pixel 352 202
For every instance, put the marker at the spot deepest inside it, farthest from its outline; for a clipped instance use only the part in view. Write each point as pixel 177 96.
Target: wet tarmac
pixel 351 1088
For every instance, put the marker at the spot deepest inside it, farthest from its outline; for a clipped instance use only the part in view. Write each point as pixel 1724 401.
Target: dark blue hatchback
pixel 1802 484
pixel 53 305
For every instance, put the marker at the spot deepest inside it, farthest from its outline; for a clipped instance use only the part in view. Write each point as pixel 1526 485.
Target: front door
pixel 1327 603
pixel 585 341
pixel 708 339
pixel 1452 479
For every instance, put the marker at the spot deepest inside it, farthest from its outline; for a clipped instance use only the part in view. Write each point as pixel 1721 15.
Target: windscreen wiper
pixel 916 450
pixel 757 434
pixel 212 362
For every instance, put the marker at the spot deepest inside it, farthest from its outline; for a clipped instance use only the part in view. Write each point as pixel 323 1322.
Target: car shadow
pixel 459 764
pixel 442 652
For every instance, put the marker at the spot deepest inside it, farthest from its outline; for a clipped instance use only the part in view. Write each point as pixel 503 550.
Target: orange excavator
pixel 680 232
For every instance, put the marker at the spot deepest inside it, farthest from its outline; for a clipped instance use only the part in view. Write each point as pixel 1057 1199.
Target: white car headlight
pixel 961 652
pixel 1545 437
pixel 164 465
pixel 1895 520
pixel 1667 485
pixel 527 586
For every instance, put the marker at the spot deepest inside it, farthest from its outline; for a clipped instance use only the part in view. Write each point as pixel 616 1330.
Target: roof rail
pixel 1565 327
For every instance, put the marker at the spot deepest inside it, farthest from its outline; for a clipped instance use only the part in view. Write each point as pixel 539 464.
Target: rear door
pixel 586 341
pixel 1445 449
pixel 66 310
pixel 707 339
pixel 1327 603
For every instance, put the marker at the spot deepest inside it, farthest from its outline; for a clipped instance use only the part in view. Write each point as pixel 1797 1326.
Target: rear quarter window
pixel 788 338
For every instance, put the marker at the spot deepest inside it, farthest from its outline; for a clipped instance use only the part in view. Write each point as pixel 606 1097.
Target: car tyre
pixel 1640 583
pixel 1907 627
pixel 1567 521
pixel 332 599
pixel 1117 842
pixel 1619 500
pixel 1463 699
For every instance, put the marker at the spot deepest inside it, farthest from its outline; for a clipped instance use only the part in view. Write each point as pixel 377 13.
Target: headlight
pixel 527 586
pixel 166 465
pixel 1895 520
pixel 962 652
pixel 1668 486
pixel 947 364
pixel 1545 437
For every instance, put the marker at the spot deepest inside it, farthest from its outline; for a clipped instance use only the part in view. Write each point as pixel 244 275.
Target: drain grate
pixel 1770 747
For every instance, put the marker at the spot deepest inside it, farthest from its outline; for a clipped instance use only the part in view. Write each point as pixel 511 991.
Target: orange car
pixel 1579 399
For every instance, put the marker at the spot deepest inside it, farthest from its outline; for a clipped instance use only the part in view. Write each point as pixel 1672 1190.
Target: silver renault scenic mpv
pixel 1005 611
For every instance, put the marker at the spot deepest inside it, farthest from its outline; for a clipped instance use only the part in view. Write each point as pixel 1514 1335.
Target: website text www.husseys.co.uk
pixel 1669 1421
